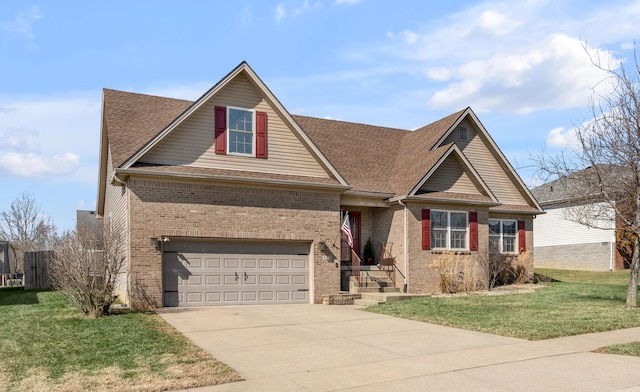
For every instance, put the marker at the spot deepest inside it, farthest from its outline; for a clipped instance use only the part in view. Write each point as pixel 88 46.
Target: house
pixel 7 263
pixel 233 200
pixel 561 242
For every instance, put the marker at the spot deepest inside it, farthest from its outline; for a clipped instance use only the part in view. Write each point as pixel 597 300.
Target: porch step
pixel 378 289
pixel 370 299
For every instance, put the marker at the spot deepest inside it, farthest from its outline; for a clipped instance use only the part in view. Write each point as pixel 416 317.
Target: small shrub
pixel 456 273
pixel 470 280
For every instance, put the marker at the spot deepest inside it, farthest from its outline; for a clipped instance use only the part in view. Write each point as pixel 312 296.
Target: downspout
pixel 404 247
pixel 611 252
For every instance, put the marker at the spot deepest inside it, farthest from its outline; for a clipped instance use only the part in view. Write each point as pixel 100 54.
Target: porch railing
pixel 355 266
pixel 386 261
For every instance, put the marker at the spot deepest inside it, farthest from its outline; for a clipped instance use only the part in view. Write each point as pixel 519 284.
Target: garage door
pixel 202 274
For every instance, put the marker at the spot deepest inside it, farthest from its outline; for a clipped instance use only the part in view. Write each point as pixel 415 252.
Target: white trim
pixel 474 118
pixel 449 230
pixel 501 235
pixel 466 162
pixel 253 132
pixel 242 67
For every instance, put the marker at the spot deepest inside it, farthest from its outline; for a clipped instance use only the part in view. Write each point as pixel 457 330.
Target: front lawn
pixel 577 303
pixel 47 344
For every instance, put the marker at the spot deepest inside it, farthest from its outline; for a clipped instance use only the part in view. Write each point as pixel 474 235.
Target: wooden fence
pixel 36 270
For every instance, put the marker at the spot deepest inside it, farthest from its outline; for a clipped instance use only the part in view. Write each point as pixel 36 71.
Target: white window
pixel 502 235
pixel 241 126
pixel 449 230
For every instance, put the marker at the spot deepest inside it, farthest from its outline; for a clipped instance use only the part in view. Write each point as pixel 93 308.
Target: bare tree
pixel 601 178
pixel 26 226
pixel 87 269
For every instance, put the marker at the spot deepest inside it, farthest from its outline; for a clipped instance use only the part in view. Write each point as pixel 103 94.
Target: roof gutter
pixel 128 172
pixel 400 199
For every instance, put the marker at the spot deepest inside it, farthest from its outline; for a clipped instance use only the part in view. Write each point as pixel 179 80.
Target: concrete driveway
pixel 341 348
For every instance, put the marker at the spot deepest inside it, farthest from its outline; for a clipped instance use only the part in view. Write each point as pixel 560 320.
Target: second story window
pixel 241 131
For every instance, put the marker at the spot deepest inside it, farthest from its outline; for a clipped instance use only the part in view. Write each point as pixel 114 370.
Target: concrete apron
pixel 341 348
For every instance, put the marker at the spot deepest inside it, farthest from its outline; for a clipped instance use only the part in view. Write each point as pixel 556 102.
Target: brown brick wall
pixel 204 210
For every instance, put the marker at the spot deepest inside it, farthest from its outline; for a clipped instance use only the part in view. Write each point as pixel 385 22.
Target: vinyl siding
pixel 116 211
pixel 554 229
pixel 450 177
pixel 488 166
pixel 192 143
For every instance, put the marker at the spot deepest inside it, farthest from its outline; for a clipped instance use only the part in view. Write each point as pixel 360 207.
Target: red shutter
pixel 522 237
pixel 261 135
pixel 221 130
pixel 473 230
pixel 426 229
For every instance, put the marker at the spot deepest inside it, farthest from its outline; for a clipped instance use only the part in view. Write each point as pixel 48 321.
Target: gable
pixel 191 143
pixel 487 163
pixel 451 176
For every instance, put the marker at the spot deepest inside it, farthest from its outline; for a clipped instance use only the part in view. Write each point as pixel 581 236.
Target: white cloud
pixel 23 23
pixel 561 137
pixel 246 15
pixel 50 136
pixel 33 165
pixel 409 37
pixel 280 13
pixel 496 23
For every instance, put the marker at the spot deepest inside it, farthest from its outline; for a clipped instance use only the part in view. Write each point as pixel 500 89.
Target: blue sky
pixel 520 65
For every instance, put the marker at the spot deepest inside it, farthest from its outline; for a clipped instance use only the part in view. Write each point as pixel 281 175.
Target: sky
pixel 524 67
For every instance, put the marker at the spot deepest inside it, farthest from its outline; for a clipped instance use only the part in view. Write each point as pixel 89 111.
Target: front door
pixel 354 220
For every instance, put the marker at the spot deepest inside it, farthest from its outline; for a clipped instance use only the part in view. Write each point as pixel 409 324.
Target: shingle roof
pixel 370 158
pixel 133 119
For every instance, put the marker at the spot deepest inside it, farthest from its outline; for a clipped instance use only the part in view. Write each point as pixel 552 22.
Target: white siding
pixel 477 151
pixel 450 177
pixel 192 143
pixel 116 213
pixel 554 229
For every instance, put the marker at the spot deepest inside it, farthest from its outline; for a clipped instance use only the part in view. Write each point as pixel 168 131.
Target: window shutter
pixel 426 229
pixel 522 237
pixel 221 130
pixel 261 135
pixel 473 230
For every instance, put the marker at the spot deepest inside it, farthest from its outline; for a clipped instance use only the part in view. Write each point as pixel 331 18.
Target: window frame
pixel 449 231
pixel 230 131
pixel 502 235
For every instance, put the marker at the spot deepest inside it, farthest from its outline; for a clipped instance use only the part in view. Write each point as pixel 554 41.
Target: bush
pixel 87 270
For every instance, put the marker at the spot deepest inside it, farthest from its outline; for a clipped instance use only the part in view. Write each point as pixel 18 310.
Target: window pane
pixel 459 220
pixel 439 219
pixel 240 142
pixel 509 244
pixel 458 240
pixel 494 243
pixel 241 120
pixel 494 226
pixel 509 227
pixel 439 238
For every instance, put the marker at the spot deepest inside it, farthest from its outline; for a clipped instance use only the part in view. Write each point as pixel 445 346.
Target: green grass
pixel 579 302
pixel 46 343
pixel 623 349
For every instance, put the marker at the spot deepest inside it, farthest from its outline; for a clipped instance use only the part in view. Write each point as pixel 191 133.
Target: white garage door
pixel 200 274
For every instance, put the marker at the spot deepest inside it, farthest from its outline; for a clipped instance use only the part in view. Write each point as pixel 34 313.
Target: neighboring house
pixel 232 200
pixel 563 243
pixel 7 262
pixel 90 223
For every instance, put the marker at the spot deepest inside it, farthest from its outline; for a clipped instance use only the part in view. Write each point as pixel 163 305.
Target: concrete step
pixel 381 298
pixel 378 289
pixel 366 302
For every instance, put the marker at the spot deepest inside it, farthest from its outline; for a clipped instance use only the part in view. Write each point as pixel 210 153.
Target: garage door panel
pixel 213 263
pixel 196 279
pixel 249 263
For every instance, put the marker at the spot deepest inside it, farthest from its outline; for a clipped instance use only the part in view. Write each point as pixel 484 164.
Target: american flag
pixel 346 229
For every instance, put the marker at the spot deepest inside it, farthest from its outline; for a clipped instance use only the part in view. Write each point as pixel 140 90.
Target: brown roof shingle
pixel 370 158
pixel 133 119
